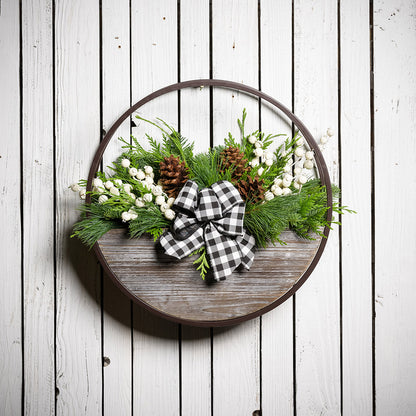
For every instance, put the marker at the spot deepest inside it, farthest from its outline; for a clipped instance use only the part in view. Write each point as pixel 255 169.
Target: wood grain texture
pixel 195 125
pixel 394 161
pixel 38 208
pixel 355 122
pixel 78 289
pixel 235 57
pixel 175 288
pixel 10 238
pixel 156 387
pixel 318 384
pixel 277 325
pixel 117 345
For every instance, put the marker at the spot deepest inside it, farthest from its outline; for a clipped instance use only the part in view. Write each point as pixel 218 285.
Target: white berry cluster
pixel 81 191
pixel 260 154
pixel 116 188
pixel 146 178
pixel 324 138
pixel 296 172
pixel 303 164
pixel 281 186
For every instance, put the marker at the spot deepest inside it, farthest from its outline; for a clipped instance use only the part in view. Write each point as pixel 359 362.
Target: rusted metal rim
pixel 320 163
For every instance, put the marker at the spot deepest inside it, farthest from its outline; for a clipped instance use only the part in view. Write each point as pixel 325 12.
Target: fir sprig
pixel 201 261
pixel 173 142
pixel 206 168
pixel 149 220
pixel 304 213
pixel 93 225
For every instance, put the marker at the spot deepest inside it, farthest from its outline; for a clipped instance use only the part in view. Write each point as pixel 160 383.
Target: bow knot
pixel 212 217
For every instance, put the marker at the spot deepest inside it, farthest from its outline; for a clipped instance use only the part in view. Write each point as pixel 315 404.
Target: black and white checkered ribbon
pixel 212 217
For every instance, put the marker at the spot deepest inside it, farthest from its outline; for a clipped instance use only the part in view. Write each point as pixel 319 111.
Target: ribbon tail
pixel 246 244
pixel 224 254
pixel 182 248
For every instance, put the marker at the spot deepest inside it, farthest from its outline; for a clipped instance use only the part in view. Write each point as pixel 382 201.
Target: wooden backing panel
pixel 156 388
pixel 395 198
pixel 195 125
pixel 317 302
pixel 10 238
pixel 236 382
pixel 355 121
pixel 78 291
pixel 176 288
pixel 277 325
pixel 38 208
pixel 116 306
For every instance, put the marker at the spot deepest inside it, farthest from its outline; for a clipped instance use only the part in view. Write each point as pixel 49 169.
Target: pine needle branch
pixel 201 261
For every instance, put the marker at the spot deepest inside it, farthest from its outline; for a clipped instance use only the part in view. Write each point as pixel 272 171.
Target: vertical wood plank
pixel 195 125
pixel 154 61
pixel 78 319
pixel 355 127
pixel 10 238
pixel 277 325
pixel 236 367
pixel 317 302
pixel 156 388
pixel 38 207
pixel 116 306
pixel 395 198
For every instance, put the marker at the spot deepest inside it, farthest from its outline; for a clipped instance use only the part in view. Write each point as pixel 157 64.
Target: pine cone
pixel 173 175
pixel 233 157
pixel 251 189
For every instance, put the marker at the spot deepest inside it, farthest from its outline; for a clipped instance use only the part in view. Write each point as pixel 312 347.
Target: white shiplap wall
pixel 345 343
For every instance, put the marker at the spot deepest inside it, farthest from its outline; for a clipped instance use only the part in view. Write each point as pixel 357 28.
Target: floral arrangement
pixel 244 190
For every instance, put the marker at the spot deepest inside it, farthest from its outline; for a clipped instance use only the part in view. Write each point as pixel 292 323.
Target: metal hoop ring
pixel 320 163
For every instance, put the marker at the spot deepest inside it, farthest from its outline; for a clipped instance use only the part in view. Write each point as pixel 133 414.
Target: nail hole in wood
pixel 106 361
pixel 56 391
pixel 257 413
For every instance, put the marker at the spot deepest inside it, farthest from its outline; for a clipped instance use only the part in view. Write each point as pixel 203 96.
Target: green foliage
pixel 304 211
pixel 206 170
pixel 201 261
pixel 173 143
pixel 149 220
pixel 93 225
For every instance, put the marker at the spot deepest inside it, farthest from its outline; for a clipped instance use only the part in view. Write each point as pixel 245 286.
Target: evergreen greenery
pixel 201 261
pixel 304 211
pixel 149 220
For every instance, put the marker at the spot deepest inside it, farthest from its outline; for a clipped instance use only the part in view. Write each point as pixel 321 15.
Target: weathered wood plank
pixel 235 57
pixel 38 207
pixel 78 291
pixel 277 326
pixel 195 125
pixel 10 238
pixel 116 306
pixel 156 388
pixel 175 287
pixel 317 303
pixel 395 198
pixel 356 229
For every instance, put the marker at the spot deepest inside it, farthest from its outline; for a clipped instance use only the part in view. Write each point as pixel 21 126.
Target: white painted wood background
pixel 345 343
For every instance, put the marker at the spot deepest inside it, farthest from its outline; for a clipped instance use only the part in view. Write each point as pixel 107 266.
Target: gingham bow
pixel 212 217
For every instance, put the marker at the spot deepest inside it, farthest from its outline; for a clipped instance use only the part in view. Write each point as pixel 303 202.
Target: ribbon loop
pixel 208 206
pixel 187 199
pixel 213 217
